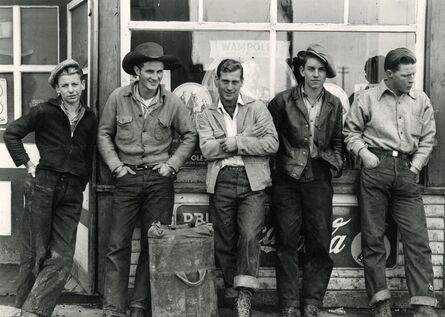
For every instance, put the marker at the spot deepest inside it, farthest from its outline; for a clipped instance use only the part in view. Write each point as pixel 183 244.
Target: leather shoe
pixel 382 309
pixel 311 311
pixel 137 312
pixel 290 312
pixel 425 311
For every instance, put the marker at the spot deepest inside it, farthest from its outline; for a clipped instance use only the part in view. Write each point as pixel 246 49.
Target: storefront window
pixel 6 93
pixel 39 36
pixel 237 11
pixel 311 11
pixel 382 12
pixel 6 50
pixel 35 90
pixel 79 39
pixel 164 10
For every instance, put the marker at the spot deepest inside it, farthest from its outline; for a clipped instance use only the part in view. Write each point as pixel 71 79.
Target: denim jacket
pixel 254 150
pixel 291 119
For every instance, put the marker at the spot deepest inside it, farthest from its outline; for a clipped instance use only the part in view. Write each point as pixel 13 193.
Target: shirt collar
pixel 382 88
pixel 240 101
pixel 303 93
pixel 138 96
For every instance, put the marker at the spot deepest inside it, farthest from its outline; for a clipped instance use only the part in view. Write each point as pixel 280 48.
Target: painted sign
pixel 345 246
pixel 3 102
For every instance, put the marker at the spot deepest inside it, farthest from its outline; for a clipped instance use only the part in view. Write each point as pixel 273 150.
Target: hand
pixel 256 130
pixel 369 159
pixel 163 169
pixel 124 170
pixel 31 169
pixel 229 144
pixel 414 170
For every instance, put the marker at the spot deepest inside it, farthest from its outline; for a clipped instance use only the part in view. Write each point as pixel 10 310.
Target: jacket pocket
pixel 124 131
pixel 162 130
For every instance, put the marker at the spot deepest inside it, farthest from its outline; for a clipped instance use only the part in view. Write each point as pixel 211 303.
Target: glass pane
pixel 79 35
pixel 382 12
pixel 201 52
pixel 35 90
pixel 164 10
pixel 40 40
pixel 6 50
pixel 236 10
pixel 313 11
pixel 6 108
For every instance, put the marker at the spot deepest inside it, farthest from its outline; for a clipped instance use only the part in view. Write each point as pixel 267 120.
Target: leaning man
pixel 391 128
pixel 308 119
pixel 65 131
pixel 135 135
pixel 236 136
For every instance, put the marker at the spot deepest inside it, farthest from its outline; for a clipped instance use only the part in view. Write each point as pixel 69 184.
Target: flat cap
pixel 52 80
pixel 320 52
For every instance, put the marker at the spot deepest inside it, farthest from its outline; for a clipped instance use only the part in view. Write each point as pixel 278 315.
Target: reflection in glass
pixel 164 10
pixel 310 11
pixel 9 107
pixel 236 10
pixel 79 44
pixel 6 50
pixel 40 40
pixel 382 11
pixel 35 90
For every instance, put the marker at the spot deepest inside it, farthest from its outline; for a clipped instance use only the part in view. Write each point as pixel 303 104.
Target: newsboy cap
pixel 52 80
pixel 321 53
pixel 148 51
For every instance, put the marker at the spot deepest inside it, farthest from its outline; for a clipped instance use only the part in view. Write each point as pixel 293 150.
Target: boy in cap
pixel 65 131
pixel 309 124
pixel 135 135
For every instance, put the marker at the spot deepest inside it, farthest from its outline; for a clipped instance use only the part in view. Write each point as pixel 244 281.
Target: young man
pixel 391 128
pixel 65 131
pixel 236 136
pixel 309 123
pixel 136 131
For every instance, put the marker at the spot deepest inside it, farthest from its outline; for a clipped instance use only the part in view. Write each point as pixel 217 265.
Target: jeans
pixel 148 197
pixel 237 214
pixel 391 187
pixel 47 239
pixel 303 208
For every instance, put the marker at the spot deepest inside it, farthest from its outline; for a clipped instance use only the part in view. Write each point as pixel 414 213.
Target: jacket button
pixel 307 125
pixel 301 164
pixel 293 174
pixel 304 152
pixel 305 139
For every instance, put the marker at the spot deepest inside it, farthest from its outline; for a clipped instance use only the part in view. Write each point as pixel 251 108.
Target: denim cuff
pixel 138 305
pixel 380 296
pixel 246 281
pixel 25 313
pixel 289 303
pixel 230 292
pixel 311 301
pixel 423 300
pixel 113 313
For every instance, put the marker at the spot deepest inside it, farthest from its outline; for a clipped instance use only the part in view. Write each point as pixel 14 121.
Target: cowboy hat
pixel 148 51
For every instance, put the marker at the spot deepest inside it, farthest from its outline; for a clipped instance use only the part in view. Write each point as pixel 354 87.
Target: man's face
pixel 314 73
pixel 229 85
pixel 402 80
pixel 70 88
pixel 150 75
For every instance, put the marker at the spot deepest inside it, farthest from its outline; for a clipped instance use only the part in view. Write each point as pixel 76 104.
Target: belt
pixel 233 168
pixel 397 154
pixel 140 167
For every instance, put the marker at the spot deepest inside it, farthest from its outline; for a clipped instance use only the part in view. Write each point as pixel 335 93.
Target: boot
pixel 28 314
pixel 137 312
pixel 382 309
pixel 424 311
pixel 311 311
pixel 290 312
pixel 242 305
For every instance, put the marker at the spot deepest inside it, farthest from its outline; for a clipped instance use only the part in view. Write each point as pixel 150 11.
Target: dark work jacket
pixel 291 120
pixel 58 150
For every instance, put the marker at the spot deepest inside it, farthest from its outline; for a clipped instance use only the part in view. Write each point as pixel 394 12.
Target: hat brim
pixel 330 72
pixel 133 58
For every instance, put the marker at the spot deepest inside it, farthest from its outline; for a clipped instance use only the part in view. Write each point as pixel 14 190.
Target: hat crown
pixel 150 49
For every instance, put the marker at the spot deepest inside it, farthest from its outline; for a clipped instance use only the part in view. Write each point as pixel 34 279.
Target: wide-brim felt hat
pixel 148 51
pixel 320 52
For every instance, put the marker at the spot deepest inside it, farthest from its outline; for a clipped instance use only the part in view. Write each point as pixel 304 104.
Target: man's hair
pixel 141 63
pixel 70 70
pixel 229 66
pixel 399 56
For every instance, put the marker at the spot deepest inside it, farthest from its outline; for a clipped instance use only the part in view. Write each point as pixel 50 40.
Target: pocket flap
pixel 124 119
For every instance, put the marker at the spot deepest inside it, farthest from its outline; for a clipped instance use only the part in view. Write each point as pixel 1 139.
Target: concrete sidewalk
pixel 268 311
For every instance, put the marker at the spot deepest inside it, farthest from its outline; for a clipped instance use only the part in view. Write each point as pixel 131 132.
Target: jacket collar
pixel 246 100
pixel 383 87
pixel 56 102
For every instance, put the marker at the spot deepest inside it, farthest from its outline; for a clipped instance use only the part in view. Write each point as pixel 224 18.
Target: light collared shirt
pixel 313 110
pixel 147 105
pixel 75 118
pixel 232 131
pixel 380 118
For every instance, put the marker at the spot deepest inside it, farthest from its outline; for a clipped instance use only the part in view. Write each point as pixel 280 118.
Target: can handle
pixel 201 273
